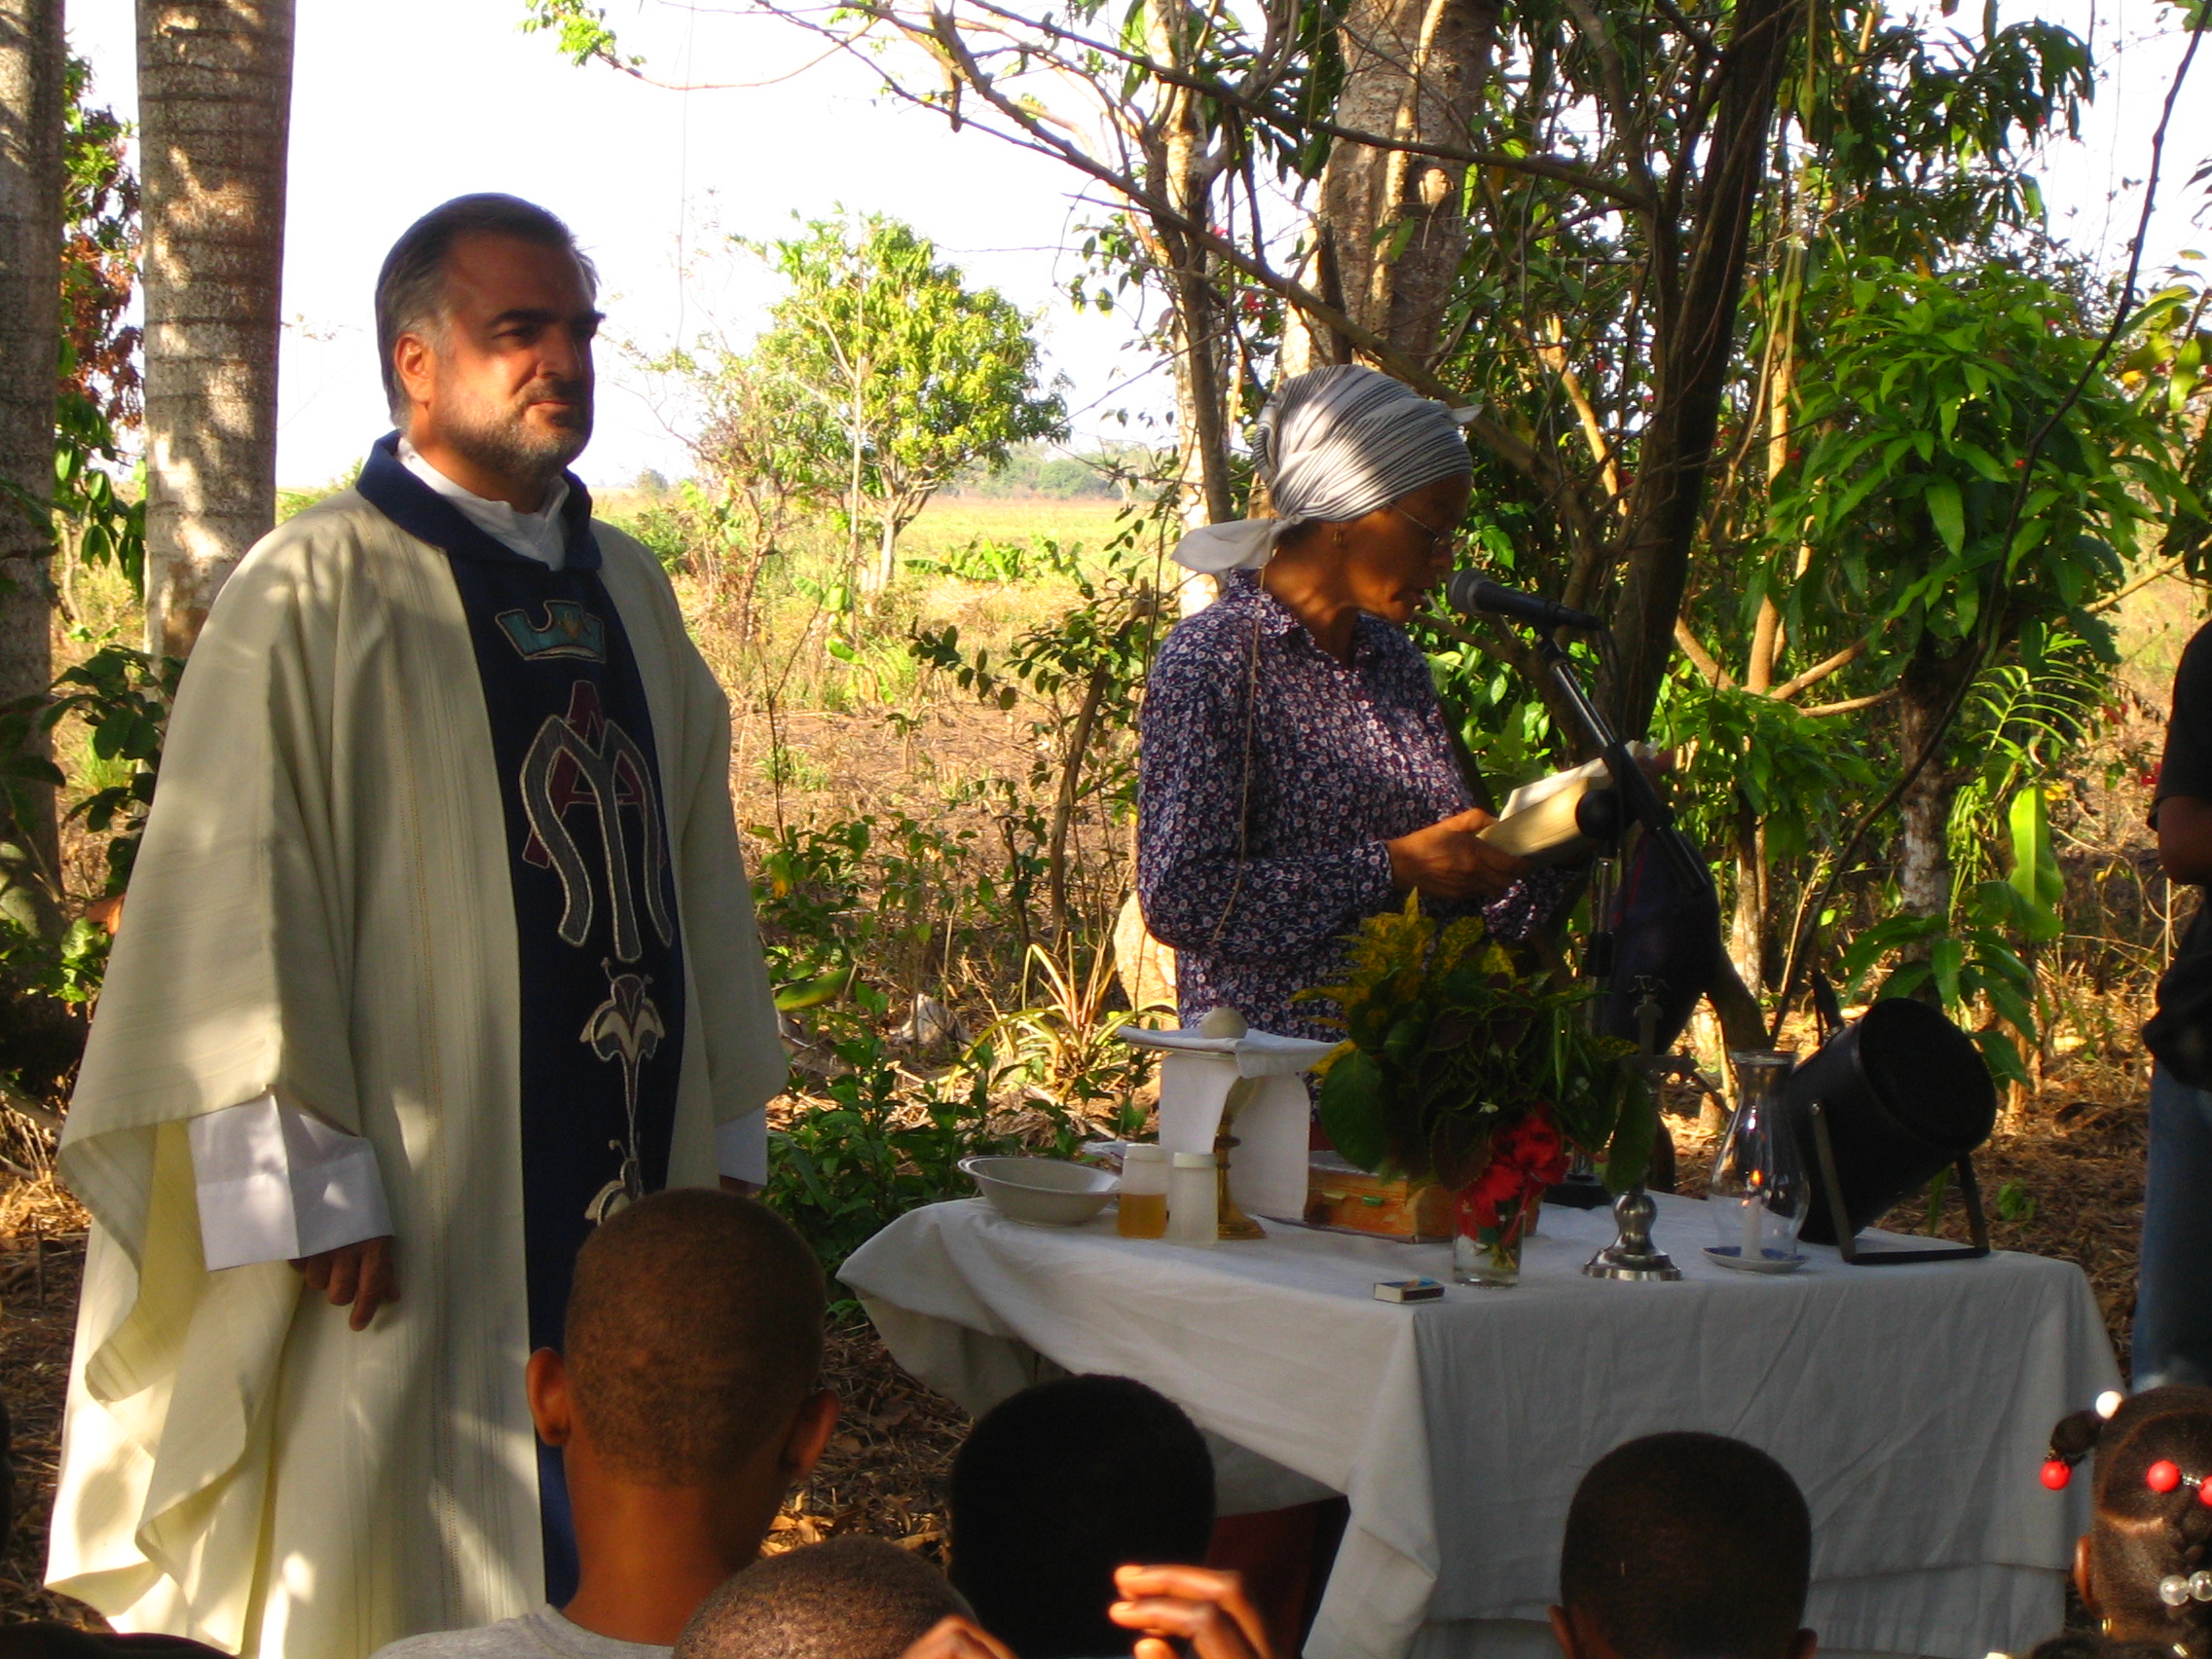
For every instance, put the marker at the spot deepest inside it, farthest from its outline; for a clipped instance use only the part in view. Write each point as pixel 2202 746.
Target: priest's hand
pixel 1450 859
pixel 365 1274
pixel 1195 1605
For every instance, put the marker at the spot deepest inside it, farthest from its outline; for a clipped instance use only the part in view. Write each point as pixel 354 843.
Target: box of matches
pixel 1423 1289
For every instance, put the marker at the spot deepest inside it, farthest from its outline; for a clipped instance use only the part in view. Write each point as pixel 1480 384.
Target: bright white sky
pixel 400 105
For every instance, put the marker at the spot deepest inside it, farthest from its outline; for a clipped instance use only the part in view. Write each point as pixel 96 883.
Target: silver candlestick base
pixel 1633 1256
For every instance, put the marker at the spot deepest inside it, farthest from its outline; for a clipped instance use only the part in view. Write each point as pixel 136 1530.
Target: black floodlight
pixel 1885 1105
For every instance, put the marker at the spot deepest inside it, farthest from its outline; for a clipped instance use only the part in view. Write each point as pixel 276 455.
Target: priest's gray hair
pixel 1333 445
pixel 411 288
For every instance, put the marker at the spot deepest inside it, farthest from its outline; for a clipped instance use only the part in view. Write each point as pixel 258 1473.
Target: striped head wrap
pixel 1333 445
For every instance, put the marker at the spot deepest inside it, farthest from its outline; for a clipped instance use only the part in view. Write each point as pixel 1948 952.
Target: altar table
pixel 1911 1403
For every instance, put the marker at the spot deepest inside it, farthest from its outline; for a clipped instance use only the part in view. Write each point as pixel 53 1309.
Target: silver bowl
pixel 1044 1191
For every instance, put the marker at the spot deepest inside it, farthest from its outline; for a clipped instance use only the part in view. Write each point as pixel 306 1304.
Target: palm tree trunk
pixel 32 56
pixel 214 107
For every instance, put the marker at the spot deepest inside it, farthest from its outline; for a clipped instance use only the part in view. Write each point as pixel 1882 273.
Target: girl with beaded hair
pixel 2145 1566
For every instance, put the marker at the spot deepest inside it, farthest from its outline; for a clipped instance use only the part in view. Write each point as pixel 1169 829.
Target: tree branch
pixel 1701 659
pixel 1820 670
pixel 1850 705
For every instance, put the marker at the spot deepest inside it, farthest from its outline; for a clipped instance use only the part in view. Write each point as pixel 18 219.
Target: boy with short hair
pixel 848 1599
pixel 1058 1486
pixel 1685 1546
pixel 685 1402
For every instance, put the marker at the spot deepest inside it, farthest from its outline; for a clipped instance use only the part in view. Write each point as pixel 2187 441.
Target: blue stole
pixel 597 946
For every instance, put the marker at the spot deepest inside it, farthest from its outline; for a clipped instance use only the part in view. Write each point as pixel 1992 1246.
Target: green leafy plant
pixel 1450 1042
pixel 1965 966
pixel 848 1167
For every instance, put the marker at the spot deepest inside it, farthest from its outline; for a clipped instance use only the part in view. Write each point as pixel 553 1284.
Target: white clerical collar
pixel 539 536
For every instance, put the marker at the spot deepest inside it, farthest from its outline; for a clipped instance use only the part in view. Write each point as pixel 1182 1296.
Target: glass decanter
pixel 1758 1192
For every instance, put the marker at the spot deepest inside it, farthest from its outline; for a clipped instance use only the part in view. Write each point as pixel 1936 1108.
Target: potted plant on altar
pixel 1464 1068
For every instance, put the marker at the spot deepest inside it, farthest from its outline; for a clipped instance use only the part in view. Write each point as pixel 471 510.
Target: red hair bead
pixel 2056 1473
pixel 2162 1476
pixel 2204 1493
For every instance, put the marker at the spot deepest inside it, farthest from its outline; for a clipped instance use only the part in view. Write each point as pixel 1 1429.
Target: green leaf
pixel 1628 1158
pixel 1353 1103
pixel 2036 876
pixel 812 993
pixel 1944 507
pixel 1946 958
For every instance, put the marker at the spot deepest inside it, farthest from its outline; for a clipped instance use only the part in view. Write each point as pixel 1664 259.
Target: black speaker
pixel 1905 1095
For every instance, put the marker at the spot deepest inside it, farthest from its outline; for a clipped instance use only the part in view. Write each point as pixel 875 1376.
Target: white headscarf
pixel 1333 445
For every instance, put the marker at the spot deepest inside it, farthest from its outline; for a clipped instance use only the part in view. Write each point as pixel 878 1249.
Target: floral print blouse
pixel 1343 757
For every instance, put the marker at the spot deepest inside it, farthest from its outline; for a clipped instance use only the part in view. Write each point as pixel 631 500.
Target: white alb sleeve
pixel 741 1148
pixel 276 1184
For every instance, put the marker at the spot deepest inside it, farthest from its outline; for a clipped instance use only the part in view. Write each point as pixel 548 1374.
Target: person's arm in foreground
pixel 1195 1605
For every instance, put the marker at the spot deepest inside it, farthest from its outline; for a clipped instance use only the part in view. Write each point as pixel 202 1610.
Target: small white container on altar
pixel 1257 1080
pixel 1193 1199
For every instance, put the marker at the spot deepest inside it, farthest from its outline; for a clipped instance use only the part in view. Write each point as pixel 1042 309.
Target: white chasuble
pixel 323 909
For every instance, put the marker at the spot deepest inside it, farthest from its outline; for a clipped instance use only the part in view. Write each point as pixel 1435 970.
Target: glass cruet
pixel 1758 1190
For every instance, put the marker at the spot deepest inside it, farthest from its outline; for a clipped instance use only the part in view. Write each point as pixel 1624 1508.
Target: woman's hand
pixel 1450 861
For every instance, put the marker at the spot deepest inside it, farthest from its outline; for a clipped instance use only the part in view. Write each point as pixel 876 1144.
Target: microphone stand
pixel 1631 1255
pixel 1640 802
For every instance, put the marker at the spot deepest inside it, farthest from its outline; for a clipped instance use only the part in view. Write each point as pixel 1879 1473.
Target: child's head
pixel 1682 1545
pixel 2152 1532
pixel 1058 1486
pixel 848 1599
pixel 693 1346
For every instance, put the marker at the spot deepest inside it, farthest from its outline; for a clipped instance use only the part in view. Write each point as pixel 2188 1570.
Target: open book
pixel 1547 822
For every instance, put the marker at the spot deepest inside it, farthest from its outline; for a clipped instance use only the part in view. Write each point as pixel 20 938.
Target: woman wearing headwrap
pixel 1296 772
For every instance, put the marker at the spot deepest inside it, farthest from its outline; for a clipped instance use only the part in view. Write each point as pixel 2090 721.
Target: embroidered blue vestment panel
pixel 597 946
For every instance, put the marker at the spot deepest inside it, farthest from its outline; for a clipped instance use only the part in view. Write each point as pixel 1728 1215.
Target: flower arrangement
pixel 1461 1067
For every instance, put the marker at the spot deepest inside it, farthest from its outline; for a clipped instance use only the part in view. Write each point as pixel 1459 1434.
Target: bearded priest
pixel 439 949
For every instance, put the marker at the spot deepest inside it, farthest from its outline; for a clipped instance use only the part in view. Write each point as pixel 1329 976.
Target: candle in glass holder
pixel 1757 1167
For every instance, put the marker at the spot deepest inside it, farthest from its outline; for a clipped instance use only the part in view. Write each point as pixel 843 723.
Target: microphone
pixel 1467 593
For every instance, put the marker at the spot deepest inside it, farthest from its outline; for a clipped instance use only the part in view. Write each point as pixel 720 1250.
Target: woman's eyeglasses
pixel 1440 541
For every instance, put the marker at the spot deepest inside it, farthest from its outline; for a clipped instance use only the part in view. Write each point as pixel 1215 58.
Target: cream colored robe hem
pixel 322 907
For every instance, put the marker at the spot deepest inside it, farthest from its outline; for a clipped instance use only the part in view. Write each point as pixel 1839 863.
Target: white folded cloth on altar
pixel 1258 1053
pixel 1912 1403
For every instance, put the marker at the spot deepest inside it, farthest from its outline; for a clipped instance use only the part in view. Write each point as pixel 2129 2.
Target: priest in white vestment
pixel 438 949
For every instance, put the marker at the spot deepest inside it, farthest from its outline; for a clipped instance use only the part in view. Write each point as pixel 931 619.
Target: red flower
pixel 1492 1193
pixel 1523 1160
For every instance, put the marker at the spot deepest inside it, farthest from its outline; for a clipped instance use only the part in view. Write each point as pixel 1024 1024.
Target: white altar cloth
pixel 1912 1403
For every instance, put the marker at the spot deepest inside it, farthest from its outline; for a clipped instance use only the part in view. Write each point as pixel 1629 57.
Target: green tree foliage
pixel 919 375
pixel 100 394
pixel 1910 443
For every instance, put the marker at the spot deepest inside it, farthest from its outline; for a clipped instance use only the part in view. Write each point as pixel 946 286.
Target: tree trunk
pixel 1391 229
pixel 887 555
pixel 1924 859
pixel 32 56
pixel 1198 328
pixel 1693 348
pixel 214 107
pixel 1746 928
